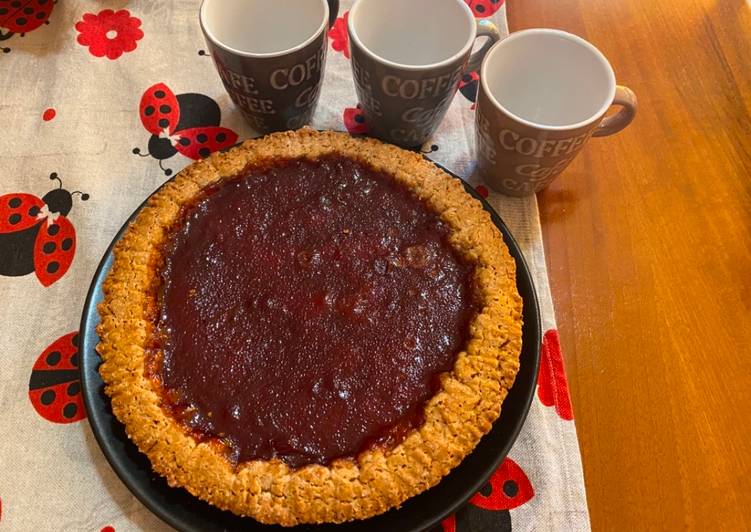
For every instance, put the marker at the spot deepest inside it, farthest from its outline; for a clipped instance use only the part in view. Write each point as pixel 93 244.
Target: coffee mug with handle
pixel 270 56
pixel 543 93
pixel 407 60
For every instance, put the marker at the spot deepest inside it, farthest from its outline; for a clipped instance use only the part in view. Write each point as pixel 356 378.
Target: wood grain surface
pixel 648 241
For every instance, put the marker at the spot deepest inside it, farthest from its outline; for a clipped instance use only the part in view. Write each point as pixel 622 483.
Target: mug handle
pixel 485 28
pixel 333 11
pixel 626 98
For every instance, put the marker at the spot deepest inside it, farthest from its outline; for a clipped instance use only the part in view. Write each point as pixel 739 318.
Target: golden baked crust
pixel 456 417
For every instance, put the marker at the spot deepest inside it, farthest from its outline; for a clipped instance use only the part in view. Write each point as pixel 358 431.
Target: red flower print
pixel 109 33
pixel 482 190
pixel 508 488
pixel 354 121
pixel 339 36
pixel 48 114
pixel 552 388
pixel 108 528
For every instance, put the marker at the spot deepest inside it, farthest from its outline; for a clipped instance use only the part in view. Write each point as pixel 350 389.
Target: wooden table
pixel 648 240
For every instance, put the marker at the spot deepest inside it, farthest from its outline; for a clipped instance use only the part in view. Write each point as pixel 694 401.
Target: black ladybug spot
pixel 494 1
pixel 165 109
pixel 15 3
pixel 53 359
pixel 49 247
pixel 48 396
pixel 3 10
pixel 14 203
pixel 34 211
pixel 40 15
pixel 204 152
pixel 163 122
pixel 202 138
pixel 486 490
pixel 74 340
pixel 149 110
pixel 67 244
pixel 480 8
pixel 28 10
pixel 510 488
pixel 360 119
pixel 53 229
pixel 52 267
pixel 21 21
pixel 221 137
pixel 185 141
pixel 73 389
pixel 159 94
pixel 466 78
pixel 74 359
pixel 41 2
pixel 70 410
pixel 14 219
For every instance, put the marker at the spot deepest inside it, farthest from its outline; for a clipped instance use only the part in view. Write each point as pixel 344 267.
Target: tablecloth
pixel 72 74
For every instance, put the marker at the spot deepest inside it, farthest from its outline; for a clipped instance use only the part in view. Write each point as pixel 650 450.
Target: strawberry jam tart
pixel 309 328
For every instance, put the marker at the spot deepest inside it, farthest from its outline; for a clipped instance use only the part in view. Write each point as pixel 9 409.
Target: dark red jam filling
pixel 307 310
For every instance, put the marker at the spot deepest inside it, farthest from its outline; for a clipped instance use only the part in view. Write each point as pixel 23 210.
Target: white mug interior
pixel 548 78
pixel 416 33
pixel 261 28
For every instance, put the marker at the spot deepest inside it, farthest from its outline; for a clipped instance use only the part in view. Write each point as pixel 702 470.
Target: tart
pixel 309 328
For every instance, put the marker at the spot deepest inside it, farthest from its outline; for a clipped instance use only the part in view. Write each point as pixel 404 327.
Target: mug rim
pixel 438 64
pixel 210 35
pixel 566 35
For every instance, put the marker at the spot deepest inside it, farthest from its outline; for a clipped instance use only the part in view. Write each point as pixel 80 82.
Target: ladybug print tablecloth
pixel 101 101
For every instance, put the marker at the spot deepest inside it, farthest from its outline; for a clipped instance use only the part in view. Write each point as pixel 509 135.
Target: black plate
pixel 185 512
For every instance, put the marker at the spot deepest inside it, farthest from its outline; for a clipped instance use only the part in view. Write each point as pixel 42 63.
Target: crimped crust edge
pixel 456 417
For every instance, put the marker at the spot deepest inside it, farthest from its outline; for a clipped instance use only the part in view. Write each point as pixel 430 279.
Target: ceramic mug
pixel 407 60
pixel 543 93
pixel 270 56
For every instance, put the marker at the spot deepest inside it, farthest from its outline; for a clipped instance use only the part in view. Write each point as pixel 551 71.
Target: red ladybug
pixel 508 488
pixel 36 236
pixel 18 16
pixel 354 120
pixel 468 85
pixel 54 386
pixel 484 8
pixel 186 123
